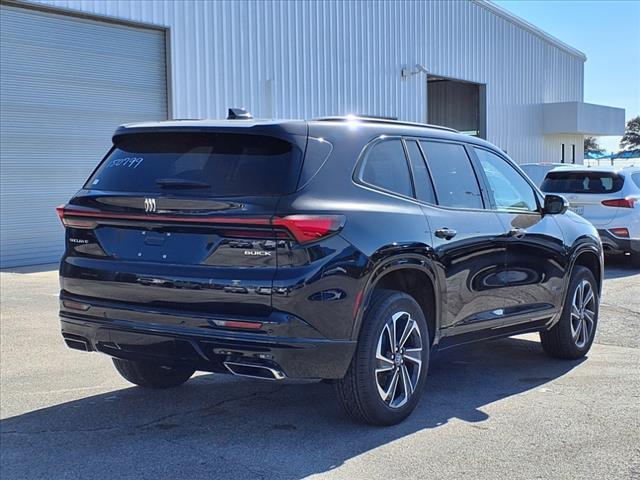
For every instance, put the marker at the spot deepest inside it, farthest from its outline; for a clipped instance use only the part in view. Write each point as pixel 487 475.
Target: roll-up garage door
pixel 65 84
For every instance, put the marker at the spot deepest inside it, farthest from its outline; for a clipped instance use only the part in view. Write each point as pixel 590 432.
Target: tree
pixel 631 138
pixel 591 145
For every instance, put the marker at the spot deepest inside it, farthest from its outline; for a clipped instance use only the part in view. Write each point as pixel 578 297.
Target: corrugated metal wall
pixel 312 58
pixel 65 82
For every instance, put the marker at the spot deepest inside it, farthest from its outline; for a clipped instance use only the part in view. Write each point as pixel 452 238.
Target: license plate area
pixel 161 245
pixel 579 209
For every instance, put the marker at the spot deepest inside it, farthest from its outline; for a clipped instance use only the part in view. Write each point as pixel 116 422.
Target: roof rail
pixel 387 120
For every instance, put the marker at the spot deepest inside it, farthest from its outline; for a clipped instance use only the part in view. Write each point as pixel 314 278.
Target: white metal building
pixel 72 70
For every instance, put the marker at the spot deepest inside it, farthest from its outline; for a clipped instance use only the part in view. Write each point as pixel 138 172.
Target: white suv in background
pixel 538 171
pixel 608 197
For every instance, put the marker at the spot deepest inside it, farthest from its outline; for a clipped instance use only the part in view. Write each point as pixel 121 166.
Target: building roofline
pixel 538 32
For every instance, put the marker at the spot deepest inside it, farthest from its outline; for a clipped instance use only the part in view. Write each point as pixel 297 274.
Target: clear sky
pixel 608 33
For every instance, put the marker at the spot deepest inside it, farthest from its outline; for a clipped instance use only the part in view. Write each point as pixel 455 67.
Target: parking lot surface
pixel 498 410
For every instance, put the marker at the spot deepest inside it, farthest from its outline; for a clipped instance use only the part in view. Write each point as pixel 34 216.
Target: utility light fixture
pixel 418 68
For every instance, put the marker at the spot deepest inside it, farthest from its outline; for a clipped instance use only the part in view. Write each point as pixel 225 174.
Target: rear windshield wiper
pixel 181 183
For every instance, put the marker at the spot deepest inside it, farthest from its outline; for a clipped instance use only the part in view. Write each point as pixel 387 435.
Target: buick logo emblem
pixel 149 205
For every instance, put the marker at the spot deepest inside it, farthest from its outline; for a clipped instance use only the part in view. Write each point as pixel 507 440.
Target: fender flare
pixel 395 262
pixel 585 248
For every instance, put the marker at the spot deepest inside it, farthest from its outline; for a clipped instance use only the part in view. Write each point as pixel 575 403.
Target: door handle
pixel 446 233
pixel 517 232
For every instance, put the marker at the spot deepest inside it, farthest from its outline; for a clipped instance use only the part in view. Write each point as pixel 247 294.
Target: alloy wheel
pixel 583 308
pixel 398 359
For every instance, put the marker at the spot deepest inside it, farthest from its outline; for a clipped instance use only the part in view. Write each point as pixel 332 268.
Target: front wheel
pixel 151 375
pixel 572 336
pixel 389 368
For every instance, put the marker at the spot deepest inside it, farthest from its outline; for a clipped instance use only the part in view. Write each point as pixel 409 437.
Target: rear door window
pixel 454 179
pixel 386 167
pixel 207 164
pixel 582 182
pixel 421 178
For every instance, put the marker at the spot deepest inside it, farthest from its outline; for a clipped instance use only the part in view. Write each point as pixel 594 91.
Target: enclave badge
pixel 149 205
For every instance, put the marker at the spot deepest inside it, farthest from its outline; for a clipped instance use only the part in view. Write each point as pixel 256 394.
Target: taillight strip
pixel 304 228
pixel 68 212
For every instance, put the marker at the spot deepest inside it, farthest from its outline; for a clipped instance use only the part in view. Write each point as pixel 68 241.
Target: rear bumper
pixel 204 349
pixel 613 244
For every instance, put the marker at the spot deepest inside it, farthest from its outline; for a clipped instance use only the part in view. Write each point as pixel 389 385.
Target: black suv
pixel 344 249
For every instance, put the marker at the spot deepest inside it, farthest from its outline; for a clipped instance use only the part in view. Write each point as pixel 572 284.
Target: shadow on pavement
pixel 218 426
pixel 45 267
pixel 619 266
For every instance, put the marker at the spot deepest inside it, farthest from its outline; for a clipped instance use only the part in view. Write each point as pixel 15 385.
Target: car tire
pixel 151 375
pixel 367 392
pixel 571 337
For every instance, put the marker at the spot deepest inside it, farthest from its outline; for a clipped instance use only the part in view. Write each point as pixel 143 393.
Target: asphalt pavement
pixel 497 410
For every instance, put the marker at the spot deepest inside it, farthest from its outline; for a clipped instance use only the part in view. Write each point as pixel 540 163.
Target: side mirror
pixel 555 204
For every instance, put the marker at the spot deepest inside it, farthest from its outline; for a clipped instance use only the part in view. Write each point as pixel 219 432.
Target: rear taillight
pixel 620 202
pixel 620 232
pixel 238 324
pixel 307 228
pixel 73 222
pixel 76 305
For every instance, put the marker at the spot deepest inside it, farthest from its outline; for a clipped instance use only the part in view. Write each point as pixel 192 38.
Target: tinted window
pixel 421 179
pixel 211 164
pixel 582 182
pixel 453 177
pixel 386 167
pixel 509 190
pixel 636 179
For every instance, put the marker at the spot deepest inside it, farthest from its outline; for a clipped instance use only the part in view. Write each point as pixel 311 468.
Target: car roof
pixel 375 126
pixel 546 164
pixel 601 169
pixel 370 126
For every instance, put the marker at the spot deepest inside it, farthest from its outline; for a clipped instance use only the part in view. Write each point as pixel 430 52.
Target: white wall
pixel 307 59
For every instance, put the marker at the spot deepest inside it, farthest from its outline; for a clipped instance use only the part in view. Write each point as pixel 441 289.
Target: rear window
pixel 582 182
pixel 386 167
pixel 207 164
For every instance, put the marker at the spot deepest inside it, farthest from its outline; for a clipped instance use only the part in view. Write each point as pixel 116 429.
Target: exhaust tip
pixel 77 343
pixel 254 371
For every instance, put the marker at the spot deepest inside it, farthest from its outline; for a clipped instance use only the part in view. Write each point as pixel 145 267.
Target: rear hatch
pixel 182 219
pixel 586 191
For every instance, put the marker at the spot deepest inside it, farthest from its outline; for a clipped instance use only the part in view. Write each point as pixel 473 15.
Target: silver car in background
pixel 608 197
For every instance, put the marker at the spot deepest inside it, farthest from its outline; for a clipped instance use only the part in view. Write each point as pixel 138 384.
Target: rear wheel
pixel 389 369
pixel 573 335
pixel 151 375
